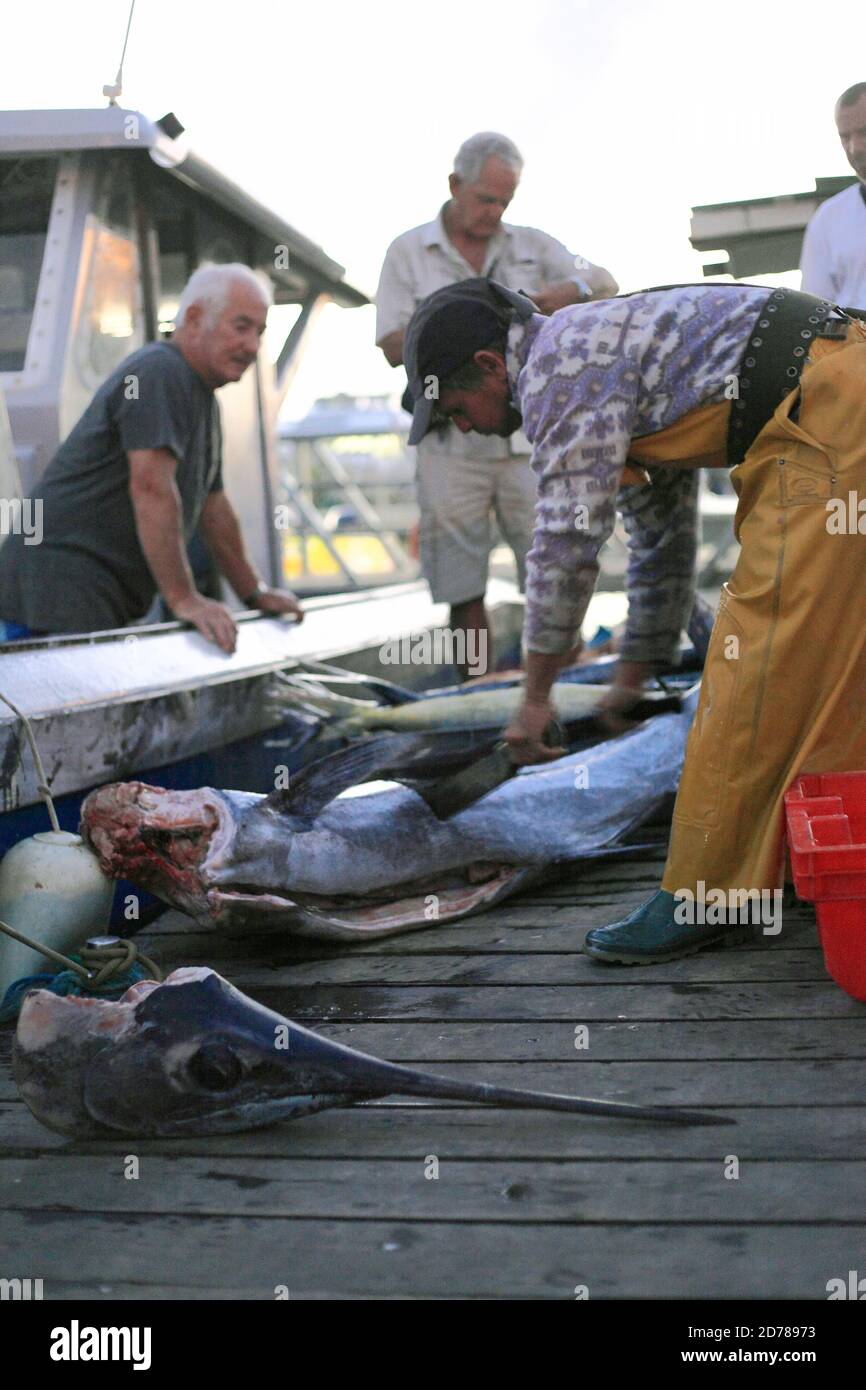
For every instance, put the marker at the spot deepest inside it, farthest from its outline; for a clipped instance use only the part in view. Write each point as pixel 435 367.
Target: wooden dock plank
pixel 431 1259
pixel 550 968
pixel 747 1040
pixel 691 1084
pixel 526 928
pixel 508 1189
pixel 531 937
pixel 616 1000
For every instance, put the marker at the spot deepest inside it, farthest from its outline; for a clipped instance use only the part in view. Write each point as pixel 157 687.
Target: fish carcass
pixel 377 861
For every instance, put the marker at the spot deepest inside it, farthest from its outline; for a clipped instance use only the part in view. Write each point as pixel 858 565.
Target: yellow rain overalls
pixel 784 687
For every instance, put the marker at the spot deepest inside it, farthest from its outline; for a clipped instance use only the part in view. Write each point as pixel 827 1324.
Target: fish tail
pixel 305 694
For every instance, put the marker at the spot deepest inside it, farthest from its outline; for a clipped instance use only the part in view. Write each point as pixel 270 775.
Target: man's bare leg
pixel 471 618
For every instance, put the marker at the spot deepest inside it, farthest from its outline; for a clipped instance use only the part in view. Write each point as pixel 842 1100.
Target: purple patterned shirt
pixel 587 381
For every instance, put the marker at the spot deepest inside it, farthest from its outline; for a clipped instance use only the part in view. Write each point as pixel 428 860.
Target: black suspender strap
pixel 772 362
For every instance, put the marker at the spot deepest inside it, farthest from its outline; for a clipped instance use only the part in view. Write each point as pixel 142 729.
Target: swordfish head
pixel 190 1056
pixel 196 1056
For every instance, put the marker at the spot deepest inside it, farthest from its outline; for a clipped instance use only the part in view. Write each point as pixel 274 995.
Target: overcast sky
pixel 345 116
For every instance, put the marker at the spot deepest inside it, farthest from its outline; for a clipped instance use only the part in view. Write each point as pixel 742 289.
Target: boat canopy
pixel 30 133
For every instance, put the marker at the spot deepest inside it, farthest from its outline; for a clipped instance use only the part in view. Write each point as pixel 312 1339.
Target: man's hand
pixel 213 620
pixel 392 347
pixel 623 695
pixel 633 475
pixel 222 531
pixel 279 601
pixel 526 730
pixel 552 297
pixel 525 733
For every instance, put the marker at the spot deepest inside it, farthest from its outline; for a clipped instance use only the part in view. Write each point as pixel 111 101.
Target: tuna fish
pixel 194 1055
pixel 329 858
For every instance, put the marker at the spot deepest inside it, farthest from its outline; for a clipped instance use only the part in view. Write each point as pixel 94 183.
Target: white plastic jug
pixel 52 889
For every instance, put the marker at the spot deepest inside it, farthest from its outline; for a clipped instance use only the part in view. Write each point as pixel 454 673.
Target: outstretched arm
pixel 221 527
pixel 663 526
pixel 158 515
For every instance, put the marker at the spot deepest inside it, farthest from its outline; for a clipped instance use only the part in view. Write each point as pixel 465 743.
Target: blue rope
pixel 67 982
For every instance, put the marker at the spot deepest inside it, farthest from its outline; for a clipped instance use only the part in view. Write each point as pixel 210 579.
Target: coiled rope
pixel 107 969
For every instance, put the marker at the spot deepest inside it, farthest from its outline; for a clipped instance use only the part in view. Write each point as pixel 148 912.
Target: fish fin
pixel 319 783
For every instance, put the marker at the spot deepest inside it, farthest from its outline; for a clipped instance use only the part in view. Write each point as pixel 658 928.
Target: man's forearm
pixel 542 669
pixel 158 521
pixel 222 531
pixel 663 527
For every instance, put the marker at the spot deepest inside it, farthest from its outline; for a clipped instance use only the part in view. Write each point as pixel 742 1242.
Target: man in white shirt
pixel 834 248
pixel 463 480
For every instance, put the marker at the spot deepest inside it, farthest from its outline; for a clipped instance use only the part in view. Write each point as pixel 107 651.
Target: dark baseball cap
pixel 445 332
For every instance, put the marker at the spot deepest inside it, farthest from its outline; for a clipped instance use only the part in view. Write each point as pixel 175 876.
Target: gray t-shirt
pixel 89 572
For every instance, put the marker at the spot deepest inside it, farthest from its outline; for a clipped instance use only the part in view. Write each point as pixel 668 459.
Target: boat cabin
pixel 104 215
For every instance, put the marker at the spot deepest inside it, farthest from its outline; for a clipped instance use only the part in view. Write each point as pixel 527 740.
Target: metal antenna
pixel 113 90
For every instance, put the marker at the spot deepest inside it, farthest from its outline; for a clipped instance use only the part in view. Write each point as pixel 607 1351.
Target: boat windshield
pixel 26 190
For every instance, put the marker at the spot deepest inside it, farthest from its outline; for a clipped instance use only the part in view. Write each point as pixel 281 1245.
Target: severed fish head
pixel 192 1055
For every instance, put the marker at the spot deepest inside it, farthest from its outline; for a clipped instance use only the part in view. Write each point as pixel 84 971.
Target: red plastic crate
pixel 826 815
pixel 842 933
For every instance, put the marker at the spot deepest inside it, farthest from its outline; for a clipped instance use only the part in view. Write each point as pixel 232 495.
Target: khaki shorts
pixel 457 497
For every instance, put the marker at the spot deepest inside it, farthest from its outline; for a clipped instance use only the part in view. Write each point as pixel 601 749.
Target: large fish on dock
pixel 378 861
pixel 194 1055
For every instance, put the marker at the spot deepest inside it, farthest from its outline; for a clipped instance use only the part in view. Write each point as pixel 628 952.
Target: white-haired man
pixel 463 480
pixel 138 474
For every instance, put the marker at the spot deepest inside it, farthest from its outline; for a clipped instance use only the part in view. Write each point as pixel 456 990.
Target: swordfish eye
pixel 215 1067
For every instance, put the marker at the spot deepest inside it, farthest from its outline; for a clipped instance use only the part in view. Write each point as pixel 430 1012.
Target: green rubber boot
pixel 651 933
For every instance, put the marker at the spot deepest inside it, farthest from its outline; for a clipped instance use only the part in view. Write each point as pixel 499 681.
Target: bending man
pixel 771 382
